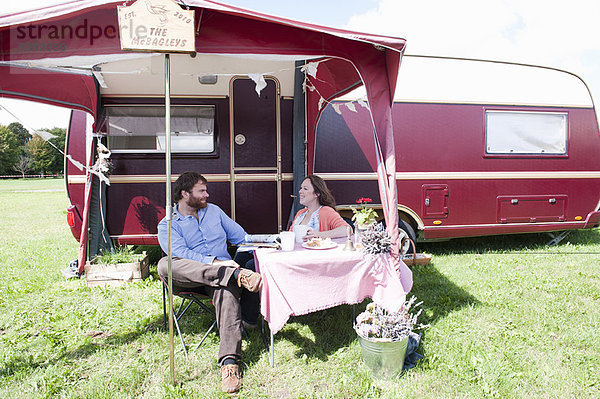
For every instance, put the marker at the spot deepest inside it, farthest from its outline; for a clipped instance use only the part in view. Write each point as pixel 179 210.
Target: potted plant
pixel 384 337
pixel 116 267
pixel 364 215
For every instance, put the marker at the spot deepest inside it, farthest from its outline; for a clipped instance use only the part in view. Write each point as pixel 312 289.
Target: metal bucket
pixel 384 359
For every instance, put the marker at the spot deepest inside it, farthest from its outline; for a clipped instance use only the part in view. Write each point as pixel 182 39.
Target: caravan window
pixel 525 133
pixel 142 128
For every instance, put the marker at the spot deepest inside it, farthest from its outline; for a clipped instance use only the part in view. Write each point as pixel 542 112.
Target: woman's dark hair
pixel 321 190
pixel 186 182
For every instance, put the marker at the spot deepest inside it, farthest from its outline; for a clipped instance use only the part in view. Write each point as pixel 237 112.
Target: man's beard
pixel 196 203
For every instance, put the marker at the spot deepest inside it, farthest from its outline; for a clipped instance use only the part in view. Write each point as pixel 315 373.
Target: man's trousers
pixel 222 288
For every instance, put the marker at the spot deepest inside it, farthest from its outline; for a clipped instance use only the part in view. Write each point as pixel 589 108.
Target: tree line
pixel 21 153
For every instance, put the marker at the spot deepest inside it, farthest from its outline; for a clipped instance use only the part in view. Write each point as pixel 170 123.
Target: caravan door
pixel 255 155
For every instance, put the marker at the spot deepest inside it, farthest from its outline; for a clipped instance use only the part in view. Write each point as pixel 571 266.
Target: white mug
pixel 287 240
pixel 300 231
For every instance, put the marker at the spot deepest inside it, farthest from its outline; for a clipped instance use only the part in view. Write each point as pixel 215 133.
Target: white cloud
pixel 562 34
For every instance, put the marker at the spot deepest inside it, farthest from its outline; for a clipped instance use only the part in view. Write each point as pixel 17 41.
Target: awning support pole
pixel 169 210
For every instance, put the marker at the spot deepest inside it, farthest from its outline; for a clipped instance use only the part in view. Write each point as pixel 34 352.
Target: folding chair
pixel 188 296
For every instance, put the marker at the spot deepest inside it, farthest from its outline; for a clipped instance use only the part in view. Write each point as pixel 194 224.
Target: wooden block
pixel 117 274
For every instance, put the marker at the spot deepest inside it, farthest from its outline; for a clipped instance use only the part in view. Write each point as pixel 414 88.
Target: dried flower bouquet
pixel 377 324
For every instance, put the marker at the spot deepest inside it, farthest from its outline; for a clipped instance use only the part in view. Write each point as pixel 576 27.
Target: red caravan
pixel 482 148
pixel 473 159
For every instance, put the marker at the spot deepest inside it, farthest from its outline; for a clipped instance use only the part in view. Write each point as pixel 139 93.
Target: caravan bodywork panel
pixel 533 167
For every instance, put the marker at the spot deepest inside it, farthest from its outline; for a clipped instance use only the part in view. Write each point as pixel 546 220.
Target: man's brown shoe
pixel 231 378
pixel 249 280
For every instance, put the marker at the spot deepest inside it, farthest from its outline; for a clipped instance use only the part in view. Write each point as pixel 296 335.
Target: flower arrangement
pixel 364 215
pixel 377 324
pixel 375 239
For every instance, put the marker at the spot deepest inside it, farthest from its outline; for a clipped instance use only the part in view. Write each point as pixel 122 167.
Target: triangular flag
pixel 259 79
pixel 44 134
pixel 310 68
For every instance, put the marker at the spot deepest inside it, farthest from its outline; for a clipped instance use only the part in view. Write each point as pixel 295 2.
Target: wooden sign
pixel 156 25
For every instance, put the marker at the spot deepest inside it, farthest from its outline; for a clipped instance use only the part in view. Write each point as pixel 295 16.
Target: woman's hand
pixel 316 233
pixel 338 232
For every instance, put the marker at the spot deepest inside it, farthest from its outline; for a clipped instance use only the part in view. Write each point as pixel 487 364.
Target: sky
pixel 560 34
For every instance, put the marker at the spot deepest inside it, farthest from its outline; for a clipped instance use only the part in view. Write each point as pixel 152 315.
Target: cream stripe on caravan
pixel 225 177
pixel 584 174
pixel 212 178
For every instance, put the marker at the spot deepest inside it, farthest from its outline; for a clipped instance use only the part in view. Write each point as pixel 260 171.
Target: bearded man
pixel 199 235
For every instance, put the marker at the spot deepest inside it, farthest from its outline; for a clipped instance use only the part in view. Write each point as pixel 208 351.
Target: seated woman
pixel 319 215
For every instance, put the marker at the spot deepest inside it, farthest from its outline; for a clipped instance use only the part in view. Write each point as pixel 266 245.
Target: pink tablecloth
pixel 304 281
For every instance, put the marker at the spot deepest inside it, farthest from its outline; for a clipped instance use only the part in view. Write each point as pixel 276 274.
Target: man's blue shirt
pixel 202 239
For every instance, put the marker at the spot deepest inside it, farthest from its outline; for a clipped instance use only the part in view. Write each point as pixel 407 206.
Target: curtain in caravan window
pixel 137 128
pixel 526 132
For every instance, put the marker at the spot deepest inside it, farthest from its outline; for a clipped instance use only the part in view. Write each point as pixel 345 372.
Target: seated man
pixel 199 234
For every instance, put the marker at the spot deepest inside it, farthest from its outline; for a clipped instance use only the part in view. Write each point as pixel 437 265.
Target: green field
pixel 510 318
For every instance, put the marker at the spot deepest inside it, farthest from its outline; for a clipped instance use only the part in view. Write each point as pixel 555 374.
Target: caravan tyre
pixel 406 230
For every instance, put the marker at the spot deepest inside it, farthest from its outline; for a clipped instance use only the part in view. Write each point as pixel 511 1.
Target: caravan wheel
pixel 406 231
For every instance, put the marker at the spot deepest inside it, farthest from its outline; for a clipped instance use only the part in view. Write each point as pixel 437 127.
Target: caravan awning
pixel 67 39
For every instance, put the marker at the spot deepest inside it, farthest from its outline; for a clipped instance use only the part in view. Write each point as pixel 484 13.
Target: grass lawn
pixel 509 318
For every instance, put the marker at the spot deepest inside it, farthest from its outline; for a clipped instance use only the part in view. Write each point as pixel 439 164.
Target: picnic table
pixel 307 280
